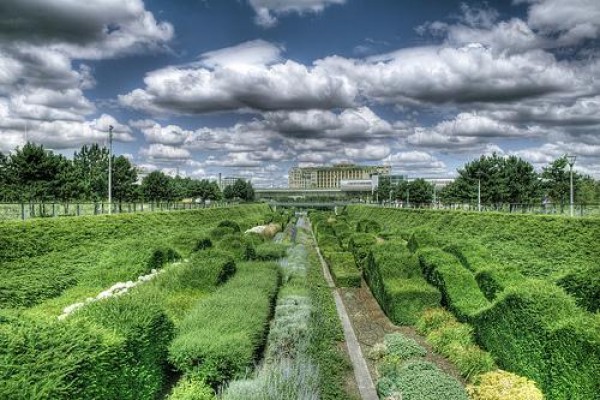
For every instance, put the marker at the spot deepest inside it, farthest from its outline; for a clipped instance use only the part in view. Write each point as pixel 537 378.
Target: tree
pixel 34 173
pixel 157 187
pixel 124 177
pixel 91 165
pixel 421 191
pixel 502 180
pixel 241 189
pixel 557 181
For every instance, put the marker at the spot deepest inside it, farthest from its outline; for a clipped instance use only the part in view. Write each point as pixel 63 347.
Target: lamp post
pixel 571 161
pixel 110 138
pixel 479 191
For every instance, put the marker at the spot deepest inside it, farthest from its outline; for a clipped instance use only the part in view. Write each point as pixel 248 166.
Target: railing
pixel 23 211
pixel 580 210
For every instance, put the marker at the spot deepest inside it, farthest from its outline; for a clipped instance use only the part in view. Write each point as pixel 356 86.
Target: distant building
pixel 229 181
pixel 329 177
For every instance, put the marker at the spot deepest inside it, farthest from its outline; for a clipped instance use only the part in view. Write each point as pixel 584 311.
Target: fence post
pixel 78 210
pixel 53 210
pixel 23 211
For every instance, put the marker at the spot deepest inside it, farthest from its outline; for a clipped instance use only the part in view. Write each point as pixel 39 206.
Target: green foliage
pixel 402 348
pixel 360 245
pixel 232 243
pixel 458 286
pixel 160 257
pixel 229 224
pixel 343 269
pixel 501 385
pixel 241 190
pixel 203 244
pixel 326 336
pixel 537 331
pixel 422 381
pixel 584 285
pixel 191 388
pixel 395 279
pixel 220 338
pixel 367 226
pixel 115 349
pixel 270 251
pixel 432 319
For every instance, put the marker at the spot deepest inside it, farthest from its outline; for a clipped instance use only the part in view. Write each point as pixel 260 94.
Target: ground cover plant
pixel 404 374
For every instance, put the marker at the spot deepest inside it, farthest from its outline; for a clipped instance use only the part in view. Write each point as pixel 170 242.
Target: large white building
pixel 331 177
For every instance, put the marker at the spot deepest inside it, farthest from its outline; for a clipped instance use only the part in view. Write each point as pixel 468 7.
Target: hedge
pixel 396 281
pixel 221 337
pixel 360 245
pixel 537 331
pixel 343 269
pixel 584 285
pixel 460 292
pixel 114 349
pixel 367 226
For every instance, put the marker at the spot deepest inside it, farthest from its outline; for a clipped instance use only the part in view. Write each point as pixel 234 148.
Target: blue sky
pixel 253 87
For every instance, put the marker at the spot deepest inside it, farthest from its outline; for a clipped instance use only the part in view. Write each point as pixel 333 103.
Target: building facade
pixel 329 177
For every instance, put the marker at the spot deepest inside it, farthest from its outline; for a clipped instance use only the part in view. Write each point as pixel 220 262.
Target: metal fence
pixel 23 211
pixel 579 210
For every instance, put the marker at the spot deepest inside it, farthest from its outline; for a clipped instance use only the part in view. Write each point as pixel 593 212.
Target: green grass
pixel 222 335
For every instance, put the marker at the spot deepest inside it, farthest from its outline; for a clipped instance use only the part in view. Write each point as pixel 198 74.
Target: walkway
pixel 359 364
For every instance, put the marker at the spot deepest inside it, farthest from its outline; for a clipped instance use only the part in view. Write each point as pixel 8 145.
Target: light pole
pixel 479 191
pixel 110 137
pixel 571 161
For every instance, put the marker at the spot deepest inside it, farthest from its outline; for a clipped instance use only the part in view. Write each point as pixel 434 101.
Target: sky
pixel 251 88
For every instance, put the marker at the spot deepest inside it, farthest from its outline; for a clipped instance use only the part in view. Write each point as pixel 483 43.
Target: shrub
pixel 360 245
pixel 493 279
pixel 189 388
pixel 220 338
pixel 584 285
pixel 218 233
pixel 470 360
pixel 501 385
pixel 396 282
pixel 233 244
pixel 230 224
pixel 367 226
pixel 450 334
pixel 459 289
pixel 162 256
pixel 402 347
pixel 343 269
pixel 421 381
pixel 432 319
pixel 271 251
pixel 423 238
pixel 203 244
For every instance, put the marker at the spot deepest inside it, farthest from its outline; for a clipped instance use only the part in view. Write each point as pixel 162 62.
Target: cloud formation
pixel 267 11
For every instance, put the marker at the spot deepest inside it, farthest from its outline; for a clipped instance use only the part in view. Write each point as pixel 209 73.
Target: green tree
pixel 35 173
pixel 124 177
pixel 157 187
pixel 557 182
pixel 91 165
pixel 241 189
pixel 421 191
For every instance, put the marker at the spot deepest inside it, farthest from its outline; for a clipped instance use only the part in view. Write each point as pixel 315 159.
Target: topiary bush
pixel 162 256
pixel 367 226
pixel 203 244
pixel 502 385
pixel 190 388
pixel 584 285
pixel 432 319
pixel 343 269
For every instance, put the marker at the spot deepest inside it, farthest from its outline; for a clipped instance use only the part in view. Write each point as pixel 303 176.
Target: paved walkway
pixel 361 370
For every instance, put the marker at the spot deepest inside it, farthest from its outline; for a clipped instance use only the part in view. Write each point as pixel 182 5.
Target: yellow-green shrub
pixel 502 385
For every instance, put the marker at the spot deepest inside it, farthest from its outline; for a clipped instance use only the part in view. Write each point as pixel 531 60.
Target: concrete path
pixel 361 371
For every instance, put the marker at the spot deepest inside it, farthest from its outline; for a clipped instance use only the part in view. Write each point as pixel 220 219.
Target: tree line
pixel 503 180
pixel 35 174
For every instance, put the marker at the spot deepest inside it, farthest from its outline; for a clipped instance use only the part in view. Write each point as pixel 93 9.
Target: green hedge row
pixel 460 292
pixel 584 285
pixel 114 349
pixel 394 276
pixel 360 245
pixel 536 330
pixel 220 338
pixel 343 268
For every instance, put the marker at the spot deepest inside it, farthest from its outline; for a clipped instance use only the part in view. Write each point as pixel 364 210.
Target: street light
pixel 478 191
pixel 571 161
pixel 110 138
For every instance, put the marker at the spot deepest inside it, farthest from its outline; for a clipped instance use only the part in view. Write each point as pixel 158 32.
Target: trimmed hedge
pixel 367 226
pixel 343 269
pixel 114 349
pixel 395 279
pixel 502 385
pixel 360 245
pixel 584 285
pixel 221 337
pixel 230 224
pixel 460 292
pixel 271 251
pixel 537 331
